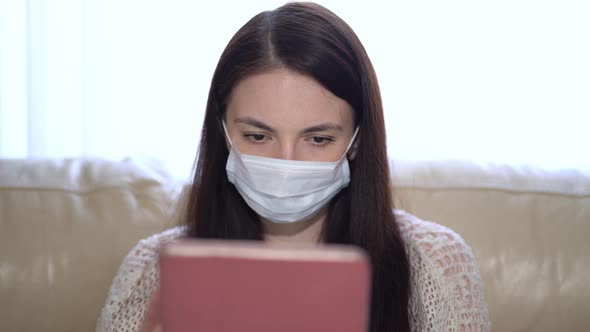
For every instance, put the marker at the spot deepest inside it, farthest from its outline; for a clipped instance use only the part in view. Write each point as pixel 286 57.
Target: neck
pixel 301 232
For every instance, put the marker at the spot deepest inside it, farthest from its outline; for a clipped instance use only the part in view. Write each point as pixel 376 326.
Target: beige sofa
pixel 65 226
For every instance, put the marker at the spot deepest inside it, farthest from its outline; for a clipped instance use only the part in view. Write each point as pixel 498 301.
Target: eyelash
pixel 325 140
pixel 250 138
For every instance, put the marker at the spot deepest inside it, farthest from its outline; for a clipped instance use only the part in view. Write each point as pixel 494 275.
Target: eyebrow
pixel 253 122
pixel 322 127
pixel 259 124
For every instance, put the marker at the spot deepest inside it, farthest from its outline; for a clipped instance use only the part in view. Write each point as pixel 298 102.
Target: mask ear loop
pixel 226 133
pixel 351 141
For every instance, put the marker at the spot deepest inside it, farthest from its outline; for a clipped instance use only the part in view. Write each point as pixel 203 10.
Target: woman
pixel 295 92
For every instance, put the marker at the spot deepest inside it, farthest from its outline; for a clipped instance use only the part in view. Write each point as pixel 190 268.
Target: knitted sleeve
pixel 137 279
pixel 447 291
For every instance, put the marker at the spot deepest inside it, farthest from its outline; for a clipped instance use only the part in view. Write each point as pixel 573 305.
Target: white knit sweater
pixel 446 291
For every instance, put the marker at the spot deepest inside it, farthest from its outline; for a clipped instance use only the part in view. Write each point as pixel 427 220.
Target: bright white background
pixel 504 81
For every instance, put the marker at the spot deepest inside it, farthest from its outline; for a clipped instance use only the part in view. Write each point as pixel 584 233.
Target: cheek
pixel 260 150
pixel 298 151
pixel 330 152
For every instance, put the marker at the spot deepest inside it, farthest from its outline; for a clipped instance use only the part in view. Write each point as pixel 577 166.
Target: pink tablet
pixel 230 286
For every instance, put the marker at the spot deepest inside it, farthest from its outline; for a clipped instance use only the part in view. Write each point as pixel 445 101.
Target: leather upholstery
pixel 65 226
pixel 528 229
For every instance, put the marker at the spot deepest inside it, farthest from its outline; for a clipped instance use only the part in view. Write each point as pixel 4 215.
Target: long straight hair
pixel 311 40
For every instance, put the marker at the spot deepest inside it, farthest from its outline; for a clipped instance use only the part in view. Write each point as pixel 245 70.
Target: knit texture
pixel 446 290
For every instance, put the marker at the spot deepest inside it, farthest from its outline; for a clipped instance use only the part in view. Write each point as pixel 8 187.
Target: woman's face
pixel 285 115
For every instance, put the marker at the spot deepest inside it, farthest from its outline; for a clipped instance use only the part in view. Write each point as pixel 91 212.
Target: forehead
pixel 284 98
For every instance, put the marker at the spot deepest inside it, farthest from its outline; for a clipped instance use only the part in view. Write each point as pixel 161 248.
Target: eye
pixel 255 138
pixel 320 140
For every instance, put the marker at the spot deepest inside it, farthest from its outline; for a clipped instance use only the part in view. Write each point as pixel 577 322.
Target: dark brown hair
pixel 311 40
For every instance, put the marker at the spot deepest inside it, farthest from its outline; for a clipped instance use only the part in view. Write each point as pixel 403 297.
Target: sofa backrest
pixel 66 225
pixel 528 229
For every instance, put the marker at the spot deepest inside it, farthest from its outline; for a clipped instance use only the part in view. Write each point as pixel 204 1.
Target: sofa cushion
pixel 65 226
pixel 528 229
